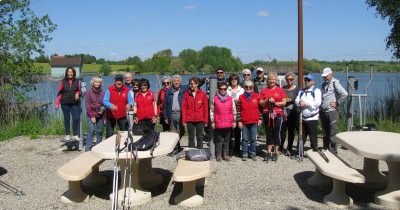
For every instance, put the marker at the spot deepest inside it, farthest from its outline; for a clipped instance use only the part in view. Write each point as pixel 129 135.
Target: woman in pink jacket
pixel 195 112
pixel 223 119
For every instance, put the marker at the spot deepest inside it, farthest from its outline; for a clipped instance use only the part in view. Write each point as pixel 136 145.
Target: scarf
pixel 247 95
pixel 222 98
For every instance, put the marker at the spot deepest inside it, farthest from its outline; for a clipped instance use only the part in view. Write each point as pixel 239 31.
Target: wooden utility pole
pixel 300 44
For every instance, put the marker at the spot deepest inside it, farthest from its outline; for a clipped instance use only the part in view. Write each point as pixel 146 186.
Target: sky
pixel 334 30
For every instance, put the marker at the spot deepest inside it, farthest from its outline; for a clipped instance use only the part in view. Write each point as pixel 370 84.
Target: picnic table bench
pixel 85 168
pixel 188 172
pixel 340 173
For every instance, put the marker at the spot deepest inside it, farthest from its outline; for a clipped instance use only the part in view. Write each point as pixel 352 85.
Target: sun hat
pixel 326 72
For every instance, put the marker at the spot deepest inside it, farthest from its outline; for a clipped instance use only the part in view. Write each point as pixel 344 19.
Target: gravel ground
pixel 31 166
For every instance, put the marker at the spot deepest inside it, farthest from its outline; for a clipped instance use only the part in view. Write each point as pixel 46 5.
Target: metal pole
pixel 300 44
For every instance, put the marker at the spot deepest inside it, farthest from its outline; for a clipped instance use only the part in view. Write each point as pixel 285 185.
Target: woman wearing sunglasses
pixel 273 99
pixel 249 119
pixel 166 84
pixel 195 112
pixel 223 119
pixel 235 90
pixel 290 122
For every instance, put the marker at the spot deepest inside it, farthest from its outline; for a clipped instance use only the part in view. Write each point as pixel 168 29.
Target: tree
pixel 390 10
pixel 189 57
pixel 22 34
pixel 105 69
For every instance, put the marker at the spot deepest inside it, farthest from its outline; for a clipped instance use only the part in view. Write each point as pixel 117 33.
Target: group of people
pixel 231 114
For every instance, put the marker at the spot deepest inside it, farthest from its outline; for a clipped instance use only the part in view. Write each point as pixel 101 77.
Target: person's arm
pixel 341 92
pixel 212 122
pixel 165 106
pixel 317 99
pixel 106 100
pixel 59 94
pixel 234 112
pixel 131 100
pixel 183 109
pixel 206 109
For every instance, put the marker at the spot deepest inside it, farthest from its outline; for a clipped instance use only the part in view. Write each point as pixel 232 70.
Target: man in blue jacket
pixel 172 108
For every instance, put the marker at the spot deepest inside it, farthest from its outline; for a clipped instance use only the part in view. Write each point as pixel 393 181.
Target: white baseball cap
pixel 259 69
pixel 326 72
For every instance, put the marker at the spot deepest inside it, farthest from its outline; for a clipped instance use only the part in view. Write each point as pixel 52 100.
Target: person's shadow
pixel 2 171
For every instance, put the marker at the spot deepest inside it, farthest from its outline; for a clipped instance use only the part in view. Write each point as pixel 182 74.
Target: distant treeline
pixel 209 58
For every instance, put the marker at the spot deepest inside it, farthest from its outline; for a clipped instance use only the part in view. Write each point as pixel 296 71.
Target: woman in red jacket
pixel 195 112
pixel 249 119
pixel 145 107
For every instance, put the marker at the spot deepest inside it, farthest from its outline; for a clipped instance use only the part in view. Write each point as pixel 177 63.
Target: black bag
pixel 197 154
pixel 149 141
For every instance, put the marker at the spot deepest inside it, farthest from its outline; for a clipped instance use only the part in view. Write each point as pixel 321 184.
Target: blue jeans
pixel 249 135
pixel 94 129
pixel 75 111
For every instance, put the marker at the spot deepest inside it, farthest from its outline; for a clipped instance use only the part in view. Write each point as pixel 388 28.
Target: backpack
pixel 304 90
pixel 149 141
pixel 194 155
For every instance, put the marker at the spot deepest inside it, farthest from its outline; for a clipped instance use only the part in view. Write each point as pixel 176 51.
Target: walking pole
pixel 130 115
pixel 11 188
pixel 115 178
pixel 300 142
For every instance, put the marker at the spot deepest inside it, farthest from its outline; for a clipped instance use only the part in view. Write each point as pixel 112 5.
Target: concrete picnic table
pixel 374 146
pixel 143 174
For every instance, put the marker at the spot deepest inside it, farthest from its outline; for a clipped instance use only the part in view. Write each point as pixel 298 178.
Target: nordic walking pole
pixel 11 188
pixel 300 142
pixel 130 115
pixel 125 171
pixel 115 178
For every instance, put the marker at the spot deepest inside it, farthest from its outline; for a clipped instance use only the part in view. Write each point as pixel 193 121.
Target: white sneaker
pixel 76 138
pixel 66 138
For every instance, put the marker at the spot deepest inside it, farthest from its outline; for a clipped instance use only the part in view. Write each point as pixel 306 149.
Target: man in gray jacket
pixel 333 94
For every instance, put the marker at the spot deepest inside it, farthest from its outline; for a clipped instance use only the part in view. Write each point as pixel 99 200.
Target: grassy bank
pixel 87 68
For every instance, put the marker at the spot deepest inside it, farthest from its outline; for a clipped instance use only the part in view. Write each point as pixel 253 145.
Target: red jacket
pixel 160 101
pixel 195 109
pixel 118 99
pixel 250 112
pixel 144 103
pixel 277 93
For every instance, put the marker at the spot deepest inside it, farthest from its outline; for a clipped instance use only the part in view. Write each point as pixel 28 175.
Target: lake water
pixel 380 86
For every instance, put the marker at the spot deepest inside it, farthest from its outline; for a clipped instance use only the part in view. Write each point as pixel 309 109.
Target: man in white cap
pixel 333 94
pixel 259 82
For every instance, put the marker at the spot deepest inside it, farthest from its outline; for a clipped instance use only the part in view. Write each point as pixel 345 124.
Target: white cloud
pixel 263 13
pixel 190 7
pixel 113 54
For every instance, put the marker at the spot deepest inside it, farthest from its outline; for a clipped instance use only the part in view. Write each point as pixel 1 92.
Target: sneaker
pixel 274 157
pixel 267 157
pixel 253 158
pixel 219 159
pixel 76 138
pixel 226 158
pixel 67 138
pixel 244 158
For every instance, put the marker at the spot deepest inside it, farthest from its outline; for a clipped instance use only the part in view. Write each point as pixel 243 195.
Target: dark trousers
pixel 290 126
pixel 195 127
pixel 165 126
pixel 222 138
pixel 272 129
pixel 310 129
pixel 110 125
pixel 235 142
pixel 146 125
pixel 73 110
pixel 329 121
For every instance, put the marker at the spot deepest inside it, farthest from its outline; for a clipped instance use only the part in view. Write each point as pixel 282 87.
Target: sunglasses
pixel 192 83
pixel 307 80
pixel 144 85
pixel 220 72
pixel 136 84
pixel 247 74
pixel 289 79
pixel 248 87
pixel 222 88
pixel 166 83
